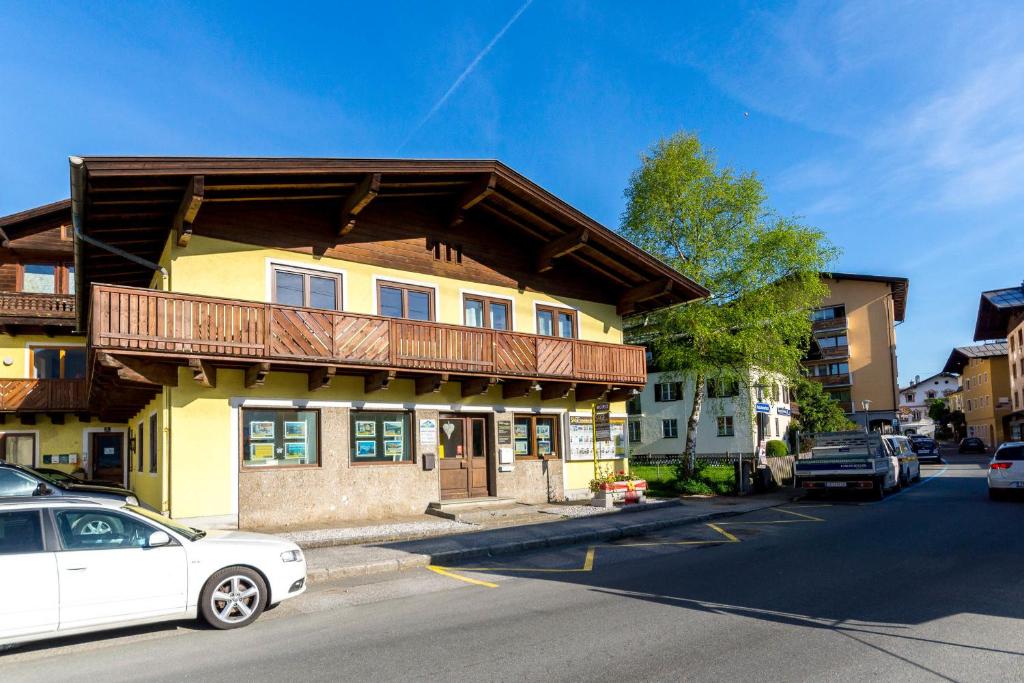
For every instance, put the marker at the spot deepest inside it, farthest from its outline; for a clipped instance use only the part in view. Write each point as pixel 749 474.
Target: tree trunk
pixel 691 424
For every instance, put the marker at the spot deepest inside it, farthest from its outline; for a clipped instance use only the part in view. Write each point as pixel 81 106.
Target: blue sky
pixel 895 127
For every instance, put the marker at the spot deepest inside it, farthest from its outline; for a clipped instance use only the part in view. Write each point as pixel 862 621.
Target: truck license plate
pixel 835 484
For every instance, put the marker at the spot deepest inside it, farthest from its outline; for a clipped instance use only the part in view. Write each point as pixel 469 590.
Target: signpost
pixel 602 429
pixel 763 407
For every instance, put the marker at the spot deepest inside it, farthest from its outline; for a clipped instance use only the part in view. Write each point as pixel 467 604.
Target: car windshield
pixel 188 532
pixel 1010 453
pixel 48 478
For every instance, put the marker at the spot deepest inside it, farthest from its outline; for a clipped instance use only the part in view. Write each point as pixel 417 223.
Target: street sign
pixel 763 407
pixel 602 422
pixel 783 410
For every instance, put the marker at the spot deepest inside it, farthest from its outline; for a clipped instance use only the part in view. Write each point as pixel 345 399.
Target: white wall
pixel 913 412
pixel 740 408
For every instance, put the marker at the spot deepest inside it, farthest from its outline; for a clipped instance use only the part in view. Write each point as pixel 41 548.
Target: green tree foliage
pixel 714 225
pixel 938 411
pixel 819 412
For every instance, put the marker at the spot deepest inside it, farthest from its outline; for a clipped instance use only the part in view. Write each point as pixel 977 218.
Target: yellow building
pixel 854 349
pixel 303 341
pixel 985 381
pixel 1001 315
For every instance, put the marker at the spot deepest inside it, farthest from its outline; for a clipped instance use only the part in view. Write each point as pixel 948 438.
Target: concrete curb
pixel 411 560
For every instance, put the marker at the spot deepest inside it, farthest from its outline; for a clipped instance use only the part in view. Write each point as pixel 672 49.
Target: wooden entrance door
pixel 107 453
pixel 463 457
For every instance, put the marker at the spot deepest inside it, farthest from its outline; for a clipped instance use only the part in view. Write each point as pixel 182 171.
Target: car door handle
pixel 75 569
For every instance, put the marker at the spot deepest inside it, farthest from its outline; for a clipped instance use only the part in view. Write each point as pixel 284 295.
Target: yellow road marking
pixel 588 561
pixel 800 514
pixel 444 572
pixel 724 533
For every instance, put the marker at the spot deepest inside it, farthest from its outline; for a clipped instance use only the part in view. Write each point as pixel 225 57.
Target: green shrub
pixel 694 487
pixel 776 448
pixel 720 478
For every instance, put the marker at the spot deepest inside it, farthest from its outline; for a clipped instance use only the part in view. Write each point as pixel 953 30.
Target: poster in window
pixel 522 431
pixel 295 430
pixel 393 448
pixel 504 433
pixel 393 430
pixel 366 449
pixel 522 447
pixel 261 429
pixel 366 429
pixel 295 449
pixel 543 447
pixel 261 451
pixel 428 433
pixel 543 430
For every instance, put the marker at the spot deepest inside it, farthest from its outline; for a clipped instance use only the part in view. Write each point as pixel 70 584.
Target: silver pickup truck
pixel 853 460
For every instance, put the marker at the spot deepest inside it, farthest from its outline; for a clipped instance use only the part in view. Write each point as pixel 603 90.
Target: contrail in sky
pixel 468 70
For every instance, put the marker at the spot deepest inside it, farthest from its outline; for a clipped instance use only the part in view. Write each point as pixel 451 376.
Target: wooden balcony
pixel 43 395
pixel 164 326
pixel 828 325
pixel 21 310
pixel 835 352
pixel 838 380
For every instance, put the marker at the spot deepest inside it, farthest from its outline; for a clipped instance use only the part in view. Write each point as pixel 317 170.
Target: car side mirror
pixel 42 490
pixel 158 539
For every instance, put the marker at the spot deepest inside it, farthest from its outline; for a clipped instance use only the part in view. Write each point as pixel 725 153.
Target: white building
pixel 729 421
pixel 913 410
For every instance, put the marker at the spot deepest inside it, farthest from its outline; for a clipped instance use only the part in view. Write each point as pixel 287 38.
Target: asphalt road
pixel 925 585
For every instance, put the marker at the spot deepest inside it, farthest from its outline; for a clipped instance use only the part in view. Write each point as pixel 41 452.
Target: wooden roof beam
pixel 203 372
pixel 188 209
pixel 320 377
pixel 358 200
pixel 645 292
pixel 478 191
pixel 560 247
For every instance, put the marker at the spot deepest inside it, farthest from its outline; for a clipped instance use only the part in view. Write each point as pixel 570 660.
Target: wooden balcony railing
pixel 834 380
pixel 145 320
pixel 832 324
pixel 43 395
pixel 835 352
pixel 48 306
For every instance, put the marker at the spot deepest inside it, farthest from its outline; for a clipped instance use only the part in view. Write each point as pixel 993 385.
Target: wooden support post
pixel 516 388
pixel 645 292
pixel 430 384
pixel 377 381
pixel 27 418
pixel 256 375
pixel 3 418
pixel 475 386
pixel 188 209
pixel 56 418
pixel 560 247
pixel 556 390
pixel 591 392
pixel 84 417
pixel 622 394
pixel 357 200
pixel 203 372
pixel 474 194
pixel 320 378
pixel 141 371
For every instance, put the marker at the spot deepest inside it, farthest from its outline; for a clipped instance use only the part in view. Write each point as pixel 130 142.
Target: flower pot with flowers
pixel 614 486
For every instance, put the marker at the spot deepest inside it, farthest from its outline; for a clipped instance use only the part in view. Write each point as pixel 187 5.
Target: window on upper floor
pixel 909 397
pixel 46 278
pixel 930 394
pixel 833 341
pixel 829 313
pixel 397 300
pixel 309 288
pixel 725 426
pixel 668 391
pixel 633 406
pixel 482 311
pixel 635 432
pixel 58 362
pixel 556 322
pixel 719 388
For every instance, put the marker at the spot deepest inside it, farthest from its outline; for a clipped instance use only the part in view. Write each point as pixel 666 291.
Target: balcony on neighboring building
pixel 24 312
pixel 131 324
pixel 830 325
pixel 29 396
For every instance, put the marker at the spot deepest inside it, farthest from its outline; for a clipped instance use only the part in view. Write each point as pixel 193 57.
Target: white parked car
pixel 909 466
pixel 74 565
pixel 1006 469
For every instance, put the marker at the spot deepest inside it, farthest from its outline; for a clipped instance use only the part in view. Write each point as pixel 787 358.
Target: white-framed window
pixel 668 391
pixel 670 428
pixel 725 425
pixel 635 431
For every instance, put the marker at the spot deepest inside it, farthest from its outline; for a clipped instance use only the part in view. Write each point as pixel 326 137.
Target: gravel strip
pixel 378 532
pixel 575 511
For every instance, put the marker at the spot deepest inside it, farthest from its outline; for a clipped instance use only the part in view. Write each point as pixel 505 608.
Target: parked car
pixel 61 475
pixel 1006 470
pixel 848 461
pixel 83 565
pixel 17 480
pixel 972 444
pixel 926 449
pixel 909 466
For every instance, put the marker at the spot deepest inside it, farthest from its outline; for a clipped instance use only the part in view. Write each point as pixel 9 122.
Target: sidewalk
pixel 362 560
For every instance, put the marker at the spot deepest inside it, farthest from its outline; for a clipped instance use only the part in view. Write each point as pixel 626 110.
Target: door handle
pixel 76 569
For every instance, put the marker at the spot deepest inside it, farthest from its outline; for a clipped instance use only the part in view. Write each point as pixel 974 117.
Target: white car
pixel 909 466
pixel 1006 469
pixel 73 565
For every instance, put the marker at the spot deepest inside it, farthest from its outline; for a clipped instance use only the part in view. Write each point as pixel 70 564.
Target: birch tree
pixel 715 226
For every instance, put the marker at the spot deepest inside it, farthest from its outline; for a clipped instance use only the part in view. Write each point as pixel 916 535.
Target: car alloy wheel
pixel 233 597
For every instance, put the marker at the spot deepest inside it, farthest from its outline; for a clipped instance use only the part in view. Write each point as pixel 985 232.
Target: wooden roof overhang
pixel 999 312
pixel 134 203
pixel 898 285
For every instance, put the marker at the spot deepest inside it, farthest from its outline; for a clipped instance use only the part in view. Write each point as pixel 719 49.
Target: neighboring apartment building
pixel 914 398
pixel 45 419
pixel 854 354
pixel 297 341
pixel 1001 314
pixel 985 378
pixel 729 421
